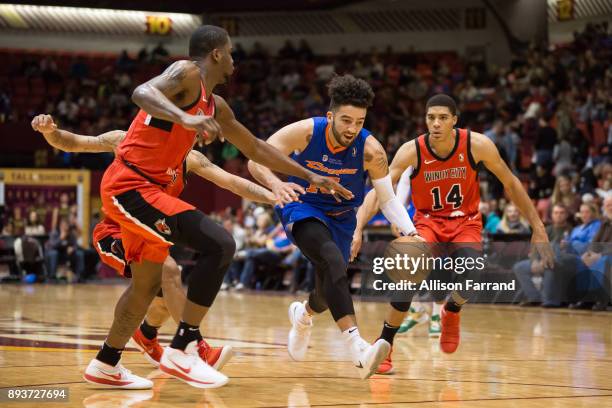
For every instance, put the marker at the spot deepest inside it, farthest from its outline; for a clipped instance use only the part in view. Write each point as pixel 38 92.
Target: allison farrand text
pixel 435 285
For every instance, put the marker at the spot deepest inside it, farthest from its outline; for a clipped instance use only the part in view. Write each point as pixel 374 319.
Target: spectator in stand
pixel 160 54
pixel 563 155
pixel 79 69
pixel 506 140
pixel 304 51
pixel 238 54
pixel 43 213
pixel 563 193
pixel 594 266
pixel 552 288
pixel 603 172
pixel 143 55
pixel 61 211
pixel 125 63
pixel 288 51
pixel 87 104
pixel 545 142
pixel 582 235
pixel 580 148
pixel 17 222
pixel 542 182
pixel 511 222
pixel 34 226
pixel 240 236
pixel 325 70
pixel 62 249
pixel 277 247
pixel 5 105
pixel 68 110
pixel 255 243
pixel 490 218
pixel 48 71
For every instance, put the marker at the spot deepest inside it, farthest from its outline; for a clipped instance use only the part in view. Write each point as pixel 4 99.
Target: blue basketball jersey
pixel 343 163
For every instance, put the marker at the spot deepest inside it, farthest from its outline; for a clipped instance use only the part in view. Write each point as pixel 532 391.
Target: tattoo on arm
pixel 256 190
pixel 66 143
pixel 249 190
pixel 173 76
pixel 205 163
pixel 378 160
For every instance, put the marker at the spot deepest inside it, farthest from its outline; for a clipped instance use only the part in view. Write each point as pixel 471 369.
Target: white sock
pixel 351 335
pixel 436 309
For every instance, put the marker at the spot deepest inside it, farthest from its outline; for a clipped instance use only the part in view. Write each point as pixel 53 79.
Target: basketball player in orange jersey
pixel 175 107
pixel 446 196
pixel 107 235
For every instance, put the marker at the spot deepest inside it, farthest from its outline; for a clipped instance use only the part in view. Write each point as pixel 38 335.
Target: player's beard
pixel 339 138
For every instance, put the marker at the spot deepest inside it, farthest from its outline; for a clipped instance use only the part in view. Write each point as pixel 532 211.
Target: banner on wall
pixel 96 21
pixel 565 10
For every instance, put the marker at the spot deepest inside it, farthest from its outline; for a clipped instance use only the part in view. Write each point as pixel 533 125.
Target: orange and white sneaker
pixel 190 368
pixel 216 357
pixel 386 367
pixel 107 376
pixel 149 348
pixel 450 333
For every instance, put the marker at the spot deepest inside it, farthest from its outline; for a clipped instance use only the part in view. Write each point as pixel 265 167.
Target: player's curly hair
pixel 205 39
pixel 348 90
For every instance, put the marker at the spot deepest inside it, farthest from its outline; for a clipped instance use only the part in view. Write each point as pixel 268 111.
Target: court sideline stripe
pixel 438 401
pixel 436 380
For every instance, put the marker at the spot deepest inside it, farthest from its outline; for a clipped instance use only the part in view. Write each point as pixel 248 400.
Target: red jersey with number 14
pixel 446 187
pixel 158 147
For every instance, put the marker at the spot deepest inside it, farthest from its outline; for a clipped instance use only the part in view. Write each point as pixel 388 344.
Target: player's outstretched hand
pixel 539 240
pixel 356 244
pixel 411 238
pixel 331 185
pixel 43 124
pixel 206 126
pixel 285 193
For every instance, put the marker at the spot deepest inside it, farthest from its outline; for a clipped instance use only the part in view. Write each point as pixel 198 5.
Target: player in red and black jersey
pixel 107 239
pixel 445 192
pixel 176 106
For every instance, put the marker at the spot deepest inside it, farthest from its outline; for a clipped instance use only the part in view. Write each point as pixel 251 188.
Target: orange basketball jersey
pixel 446 187
pixel 158 147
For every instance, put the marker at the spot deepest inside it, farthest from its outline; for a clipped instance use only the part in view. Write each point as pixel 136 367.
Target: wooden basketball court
pixel 509 356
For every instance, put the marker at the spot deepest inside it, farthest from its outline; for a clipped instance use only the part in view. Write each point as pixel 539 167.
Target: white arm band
pixel 403 187
pixel 390 206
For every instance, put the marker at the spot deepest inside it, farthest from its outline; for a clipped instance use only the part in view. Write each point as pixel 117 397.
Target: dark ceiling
pixel 199 6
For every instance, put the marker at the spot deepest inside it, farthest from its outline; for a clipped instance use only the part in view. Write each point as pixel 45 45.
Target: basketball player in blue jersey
pixel 320 224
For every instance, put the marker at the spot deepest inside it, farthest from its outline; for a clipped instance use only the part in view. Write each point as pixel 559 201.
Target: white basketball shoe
pixel 299 335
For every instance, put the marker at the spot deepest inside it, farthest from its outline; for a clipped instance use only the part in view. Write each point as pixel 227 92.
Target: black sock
pixel 388 332
pixel 150 332
pixel 451 306
pixel 109 355
pixel 185 334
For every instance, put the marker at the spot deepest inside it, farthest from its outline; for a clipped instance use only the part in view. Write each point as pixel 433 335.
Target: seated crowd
pixel 548 112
